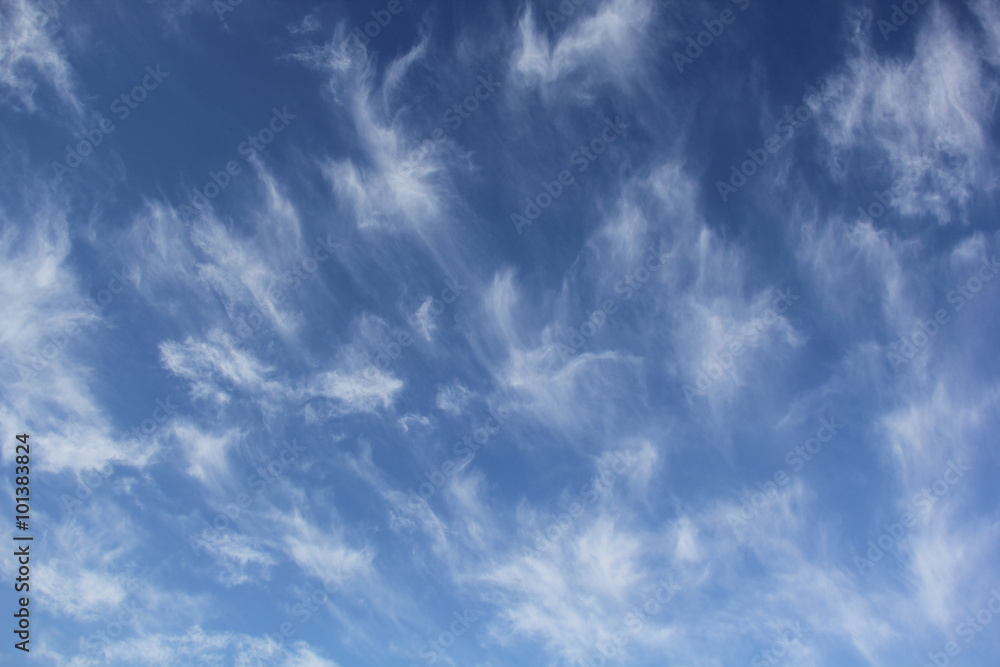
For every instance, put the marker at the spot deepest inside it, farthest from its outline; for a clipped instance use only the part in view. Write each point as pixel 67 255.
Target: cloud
pixel 923 120
pixel 215 367
pixel 571 596
pixel 243 559
pixel 53 323
pixel 206 452
pixel 360 391
pixel 373 189
pixel 29 54
pixel 582 332
pixel 609 42
pixel 453 398
pixel 323 554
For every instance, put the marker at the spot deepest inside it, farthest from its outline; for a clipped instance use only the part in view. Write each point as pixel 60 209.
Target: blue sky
pixel 492 333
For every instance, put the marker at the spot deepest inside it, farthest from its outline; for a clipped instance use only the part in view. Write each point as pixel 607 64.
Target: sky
pixel 545 334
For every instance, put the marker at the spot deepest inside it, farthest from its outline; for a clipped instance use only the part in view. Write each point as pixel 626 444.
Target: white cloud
pixel 452 398
pixel 324 554
pixel 206 452
pixel 243 559
pixel 927 117
pixel 49 323
pixel 29 53
pixel 216 367
pixel 360 391
pixel 609 42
